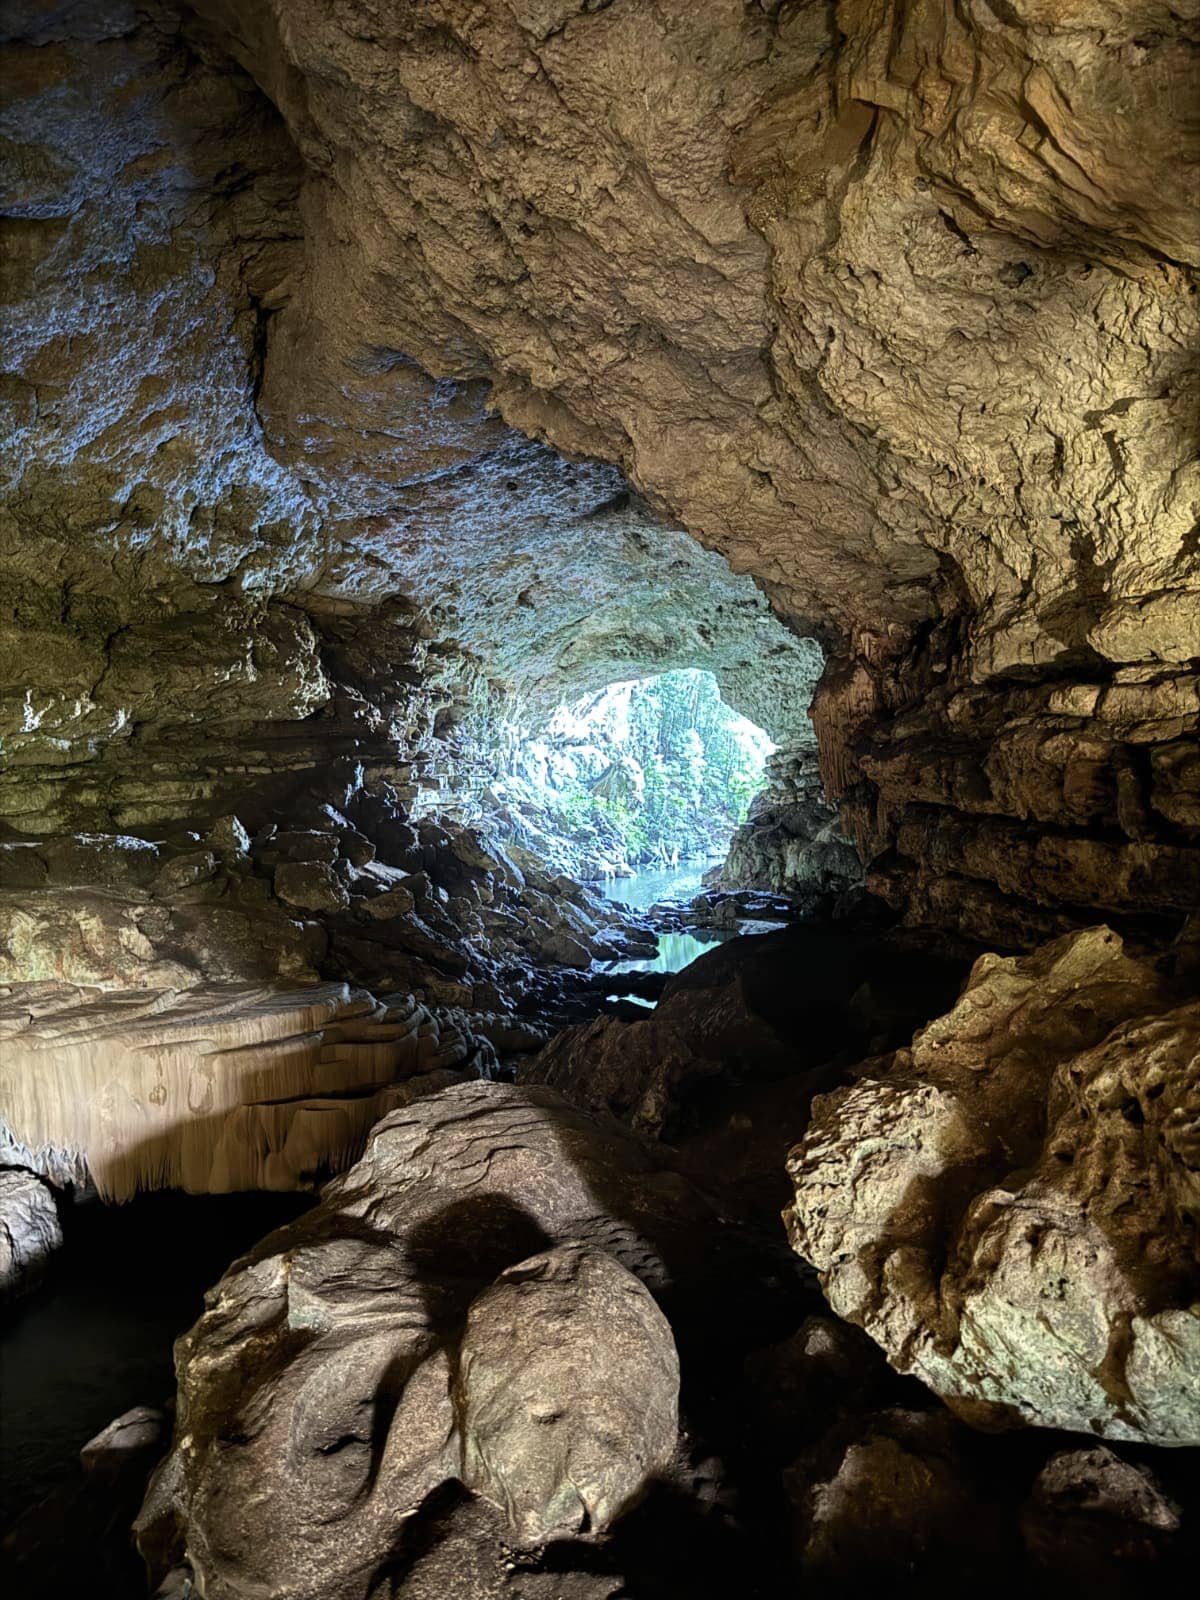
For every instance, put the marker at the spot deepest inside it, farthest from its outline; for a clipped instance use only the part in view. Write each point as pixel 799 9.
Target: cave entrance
pixel 641 786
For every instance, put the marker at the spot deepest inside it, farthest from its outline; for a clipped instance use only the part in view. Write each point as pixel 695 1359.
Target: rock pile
pixel 431 907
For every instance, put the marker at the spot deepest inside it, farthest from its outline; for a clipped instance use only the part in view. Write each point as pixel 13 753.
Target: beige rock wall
pixel 469 311
pixel 210 1089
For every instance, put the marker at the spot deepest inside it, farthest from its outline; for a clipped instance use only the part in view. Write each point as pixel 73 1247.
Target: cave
pixel 460 458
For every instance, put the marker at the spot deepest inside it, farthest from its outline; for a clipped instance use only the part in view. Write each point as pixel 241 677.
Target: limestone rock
pixel 364 1351
pixel 791 842
pixel 139 1432
pixel 101 938
pixel 726 1014
pixel 569 1383
pixel 755 1009
pixel 1009 1208
pixel 1093 1518
pixel 30 1231
pixel 397 902
pixel 635 1071
pixel 310 885
pixel 886 1501
pixel 209 1089
pixel 533 349
pixel 466 1553
pixel 228 836
pixel 796 1388
pixel 78 1538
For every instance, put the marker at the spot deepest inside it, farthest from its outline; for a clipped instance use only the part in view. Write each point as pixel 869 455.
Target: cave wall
pixel 361 394
pixel 893 304
pixel 1022 806
pixel 792 841
pixel 213 602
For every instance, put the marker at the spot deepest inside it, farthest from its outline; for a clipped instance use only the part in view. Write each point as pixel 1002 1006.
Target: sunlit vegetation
pixel 678 771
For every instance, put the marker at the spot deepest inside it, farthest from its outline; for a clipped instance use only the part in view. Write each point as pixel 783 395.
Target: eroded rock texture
pixel 385 562
pixel 569 1383
pixel 1009 1207
pixel 889 305
pixel 434 908
pixel 466 1305
pixel 1093 1516
pixel 876 300
pixel 885 1497
pixel 30 1231
pixel 791 842
pixel 761 1009
pixel 213 1088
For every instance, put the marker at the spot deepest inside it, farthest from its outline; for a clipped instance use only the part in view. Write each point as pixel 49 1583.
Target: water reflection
pixel 666 883
pixel 675 951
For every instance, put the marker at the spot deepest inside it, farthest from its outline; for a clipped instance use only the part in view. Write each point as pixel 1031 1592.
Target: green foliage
pixel 701 766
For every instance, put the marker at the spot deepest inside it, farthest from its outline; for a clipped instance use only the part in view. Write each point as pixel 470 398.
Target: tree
pixel 701 765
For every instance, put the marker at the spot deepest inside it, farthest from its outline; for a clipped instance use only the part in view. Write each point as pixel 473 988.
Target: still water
pixel 675 951
pixel 665 883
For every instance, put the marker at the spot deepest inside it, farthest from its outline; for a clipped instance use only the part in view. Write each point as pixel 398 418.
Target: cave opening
pixel 720 1151
pixel 642 785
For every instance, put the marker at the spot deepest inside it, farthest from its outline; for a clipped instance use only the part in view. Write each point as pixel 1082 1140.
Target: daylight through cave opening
pixel 412 412
pixel 643 776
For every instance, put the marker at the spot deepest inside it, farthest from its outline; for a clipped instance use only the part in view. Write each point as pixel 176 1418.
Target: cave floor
pixel 96 1340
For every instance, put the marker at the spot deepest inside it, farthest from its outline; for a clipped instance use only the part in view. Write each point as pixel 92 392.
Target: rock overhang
pixel 467 318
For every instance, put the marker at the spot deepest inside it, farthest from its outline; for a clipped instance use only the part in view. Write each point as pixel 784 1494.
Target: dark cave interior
pixel 599 798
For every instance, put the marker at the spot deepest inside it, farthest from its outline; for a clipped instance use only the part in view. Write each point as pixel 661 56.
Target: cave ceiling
pixel 862 295
pixel 550 344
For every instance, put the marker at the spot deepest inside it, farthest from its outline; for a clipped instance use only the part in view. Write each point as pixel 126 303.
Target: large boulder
pixel 569 1384
pixel 464 1306
pixel 756 1009
pixel 1093 1519
pixel 1009 1207
pixel 884 1499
